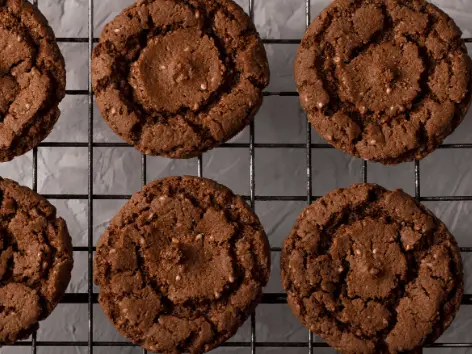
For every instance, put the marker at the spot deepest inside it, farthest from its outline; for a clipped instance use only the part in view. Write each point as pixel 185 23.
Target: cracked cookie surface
pixel 182 265
pixel 177 78
pixel 372 271
pixel 35 260
pixel 32 78
pixel 384 80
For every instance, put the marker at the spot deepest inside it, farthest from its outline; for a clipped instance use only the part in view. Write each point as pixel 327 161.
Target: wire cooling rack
pixel 90 297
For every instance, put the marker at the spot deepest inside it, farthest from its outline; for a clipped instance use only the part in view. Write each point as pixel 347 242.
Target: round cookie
pixel 32 78
pixel 384 80
pixel 35 260
pixel 372 271
pixel 182 265
pixel 176 78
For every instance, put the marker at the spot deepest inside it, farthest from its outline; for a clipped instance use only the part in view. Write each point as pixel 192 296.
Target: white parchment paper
pixel 278 172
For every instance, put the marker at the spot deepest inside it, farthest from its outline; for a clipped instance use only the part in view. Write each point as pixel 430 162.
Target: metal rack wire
pixel 90 297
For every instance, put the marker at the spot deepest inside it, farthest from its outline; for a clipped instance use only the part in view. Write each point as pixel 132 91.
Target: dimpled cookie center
pixel 196 270
pixel 176 71
pixel 376 260
pixel 384 78
pixel 187 250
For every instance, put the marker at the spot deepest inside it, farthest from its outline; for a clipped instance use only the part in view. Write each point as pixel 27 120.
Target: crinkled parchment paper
pixel 278 172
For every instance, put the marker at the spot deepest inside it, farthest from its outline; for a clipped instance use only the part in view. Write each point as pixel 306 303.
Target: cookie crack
pixel 199 308
pixel 411 277
pixel 19 145
pixel 327 70
pixel 191 116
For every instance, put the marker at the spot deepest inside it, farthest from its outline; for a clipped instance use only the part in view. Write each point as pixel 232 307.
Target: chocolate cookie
pixel 385 80
pixel 177 78
pixel 32 78
pixel 35 260
pixel 182 265
pixel 372 271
